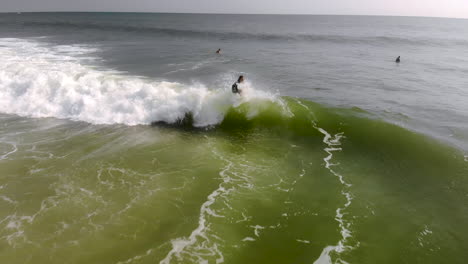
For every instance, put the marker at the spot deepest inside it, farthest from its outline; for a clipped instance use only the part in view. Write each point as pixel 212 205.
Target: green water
pixel 278 187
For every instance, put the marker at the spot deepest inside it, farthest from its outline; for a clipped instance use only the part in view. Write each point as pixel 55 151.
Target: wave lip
pixel 39 81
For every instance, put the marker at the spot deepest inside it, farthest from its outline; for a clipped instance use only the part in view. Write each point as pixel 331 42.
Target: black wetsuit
pixel 235 89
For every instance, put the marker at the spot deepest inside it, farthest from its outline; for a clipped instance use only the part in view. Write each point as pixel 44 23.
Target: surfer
pixel 218 51
pixel 397 59
pixel 235 88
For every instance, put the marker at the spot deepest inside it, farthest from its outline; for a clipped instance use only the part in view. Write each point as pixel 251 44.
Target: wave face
pixel 317 184
pixel 39 81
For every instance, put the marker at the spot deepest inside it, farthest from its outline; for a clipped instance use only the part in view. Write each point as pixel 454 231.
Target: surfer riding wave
pixel 235 87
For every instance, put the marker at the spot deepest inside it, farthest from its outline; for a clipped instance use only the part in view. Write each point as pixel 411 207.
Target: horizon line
pixel 201 13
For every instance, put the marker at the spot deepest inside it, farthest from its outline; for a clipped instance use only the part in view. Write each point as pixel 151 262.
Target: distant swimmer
pixel 218 51
pixel 398 59
pixel 235 88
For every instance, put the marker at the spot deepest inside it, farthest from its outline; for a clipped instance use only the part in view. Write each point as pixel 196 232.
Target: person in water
pixel 397 59
pixel 218 51
pixel 235 87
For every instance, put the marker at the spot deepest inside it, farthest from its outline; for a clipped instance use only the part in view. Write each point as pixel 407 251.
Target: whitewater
pixel 41 81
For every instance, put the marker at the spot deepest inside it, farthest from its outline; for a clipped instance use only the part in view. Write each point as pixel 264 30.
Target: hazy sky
pixel 440 8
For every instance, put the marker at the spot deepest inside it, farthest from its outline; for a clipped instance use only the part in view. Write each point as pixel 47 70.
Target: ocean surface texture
pixel 121 142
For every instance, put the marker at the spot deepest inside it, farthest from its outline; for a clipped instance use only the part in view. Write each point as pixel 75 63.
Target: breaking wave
pixel 41 81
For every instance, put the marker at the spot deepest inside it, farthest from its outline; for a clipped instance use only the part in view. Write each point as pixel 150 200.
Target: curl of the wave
pixel 41 81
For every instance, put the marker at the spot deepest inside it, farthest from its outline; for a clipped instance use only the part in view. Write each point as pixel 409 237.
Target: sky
pixel 436 8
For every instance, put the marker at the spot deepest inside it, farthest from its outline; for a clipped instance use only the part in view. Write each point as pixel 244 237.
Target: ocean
pixel 121 141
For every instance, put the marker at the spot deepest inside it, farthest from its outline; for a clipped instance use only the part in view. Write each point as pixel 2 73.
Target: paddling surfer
pixel 235 87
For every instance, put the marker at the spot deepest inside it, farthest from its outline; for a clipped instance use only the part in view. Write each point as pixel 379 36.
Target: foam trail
pixel 41 81
pixel 182 245
pixel 333 144
pixel 15 148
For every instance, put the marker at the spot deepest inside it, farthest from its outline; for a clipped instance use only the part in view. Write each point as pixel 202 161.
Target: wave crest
pixel 38 81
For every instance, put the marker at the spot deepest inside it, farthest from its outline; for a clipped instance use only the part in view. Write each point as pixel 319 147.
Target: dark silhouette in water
pixel 397 59
pixel 218 51
pixel 235 88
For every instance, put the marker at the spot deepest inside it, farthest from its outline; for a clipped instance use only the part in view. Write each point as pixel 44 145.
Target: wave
pixel 39 81
pixel 42 81
pixel 375 40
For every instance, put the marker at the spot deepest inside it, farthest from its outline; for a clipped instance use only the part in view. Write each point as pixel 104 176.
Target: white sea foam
pixel 333 143
pixel 422 237
pixel 41 81
pixel 8 199
pixel 257 229
pixel 181 246
pixel 14 149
